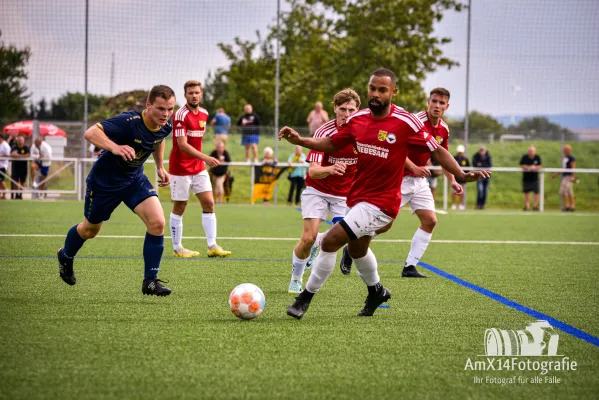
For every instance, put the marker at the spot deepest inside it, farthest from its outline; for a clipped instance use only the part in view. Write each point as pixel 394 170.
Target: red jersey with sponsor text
pixel 335 185
pixel 193 126
pixel 418 154
pixel 382 145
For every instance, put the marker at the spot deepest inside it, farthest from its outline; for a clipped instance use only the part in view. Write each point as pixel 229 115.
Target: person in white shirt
pixel 42 151
pixel 4 152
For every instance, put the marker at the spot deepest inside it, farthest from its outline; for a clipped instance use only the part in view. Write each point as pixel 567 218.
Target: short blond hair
pixel 192 83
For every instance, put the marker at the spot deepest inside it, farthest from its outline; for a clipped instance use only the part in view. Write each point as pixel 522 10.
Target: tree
pixel 69 106
pixel 12 72
pixel 478 123
pixel 328 45
pixel 538 125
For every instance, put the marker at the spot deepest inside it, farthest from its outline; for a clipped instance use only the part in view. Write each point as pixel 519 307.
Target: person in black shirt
pixel 19 168
pixel 565 188
pixel 249 123
pixel 530 164
pixel 482 159
pixel 462 160
pixel 220 172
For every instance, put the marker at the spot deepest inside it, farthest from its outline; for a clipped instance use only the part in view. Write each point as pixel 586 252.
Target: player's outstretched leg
pixel 72 244
pixel 419 244
pixel 176 225
pixel 209 224
pixel 346 262
pixel 368 271
pixel 153 249
pixel 297 273
pixel 323 267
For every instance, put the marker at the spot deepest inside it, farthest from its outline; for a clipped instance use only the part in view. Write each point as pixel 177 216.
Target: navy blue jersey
pixel 112 172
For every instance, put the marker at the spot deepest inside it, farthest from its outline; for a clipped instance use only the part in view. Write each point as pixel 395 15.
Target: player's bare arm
pixel 192 151
pixel 319 144
pixel 164 179
pixel 317 171
pixel 446 160
pixel 420 172
pixel 98 138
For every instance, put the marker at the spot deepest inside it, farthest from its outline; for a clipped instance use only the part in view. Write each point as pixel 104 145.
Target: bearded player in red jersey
pixel 415 188
pixel 382 135
pixel 187 169
pixel 329 178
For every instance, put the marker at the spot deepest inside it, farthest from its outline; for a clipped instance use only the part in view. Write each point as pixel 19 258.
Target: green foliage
pixel 479 123
pixel 69 107
pixel 328 45
pixel 539 125
pixel 132 100
pixel 12 72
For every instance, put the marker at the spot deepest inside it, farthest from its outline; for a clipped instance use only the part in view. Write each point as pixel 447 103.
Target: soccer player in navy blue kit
pixel 117 176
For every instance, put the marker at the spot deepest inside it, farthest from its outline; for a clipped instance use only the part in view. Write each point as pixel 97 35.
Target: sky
pixel 528 57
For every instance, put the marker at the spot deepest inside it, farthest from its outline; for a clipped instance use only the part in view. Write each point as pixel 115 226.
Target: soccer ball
pixel 247 301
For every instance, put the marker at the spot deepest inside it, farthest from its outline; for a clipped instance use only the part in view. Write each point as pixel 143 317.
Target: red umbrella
pixel 26 128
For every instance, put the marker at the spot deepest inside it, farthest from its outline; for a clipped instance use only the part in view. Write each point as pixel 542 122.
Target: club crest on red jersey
pixel 391 138
pixel 382 136
pixel 439 139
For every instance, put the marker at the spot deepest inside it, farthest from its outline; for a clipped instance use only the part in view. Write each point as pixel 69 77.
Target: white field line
pixel 525 242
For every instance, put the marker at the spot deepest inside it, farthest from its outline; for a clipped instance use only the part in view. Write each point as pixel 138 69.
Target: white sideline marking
pixel 528 242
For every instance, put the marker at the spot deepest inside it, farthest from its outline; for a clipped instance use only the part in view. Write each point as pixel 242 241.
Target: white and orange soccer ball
pixel 247 301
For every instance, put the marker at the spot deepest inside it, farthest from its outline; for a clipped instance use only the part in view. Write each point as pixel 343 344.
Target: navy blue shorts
pixel 99 203
pixel 250 139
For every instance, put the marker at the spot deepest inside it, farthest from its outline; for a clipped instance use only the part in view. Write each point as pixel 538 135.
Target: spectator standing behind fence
pixel 19 168
pixel 221 123
pixel 531 164
pixel 434 178
pixel 482 159
pixel 317 118
pixel 220 172
pixel 250 131
pixel 4 152
pixel 565 188
pixel 297 175
pixel 463 162
pixel 42 151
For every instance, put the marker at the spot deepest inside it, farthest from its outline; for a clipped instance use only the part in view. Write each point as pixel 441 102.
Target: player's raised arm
pixel 192 151
pixel 446 160
pixel 96 136
pixel 323 144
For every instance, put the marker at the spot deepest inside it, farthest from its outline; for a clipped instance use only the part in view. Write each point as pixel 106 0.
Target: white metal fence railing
pixel 71 173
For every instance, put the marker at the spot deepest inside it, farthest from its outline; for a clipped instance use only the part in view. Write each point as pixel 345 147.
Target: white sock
pixel 368 268
pixel 209 224
pixel 420 242
pixel 176 223
pixel 318 240
pixel 298 267
pixel 321 269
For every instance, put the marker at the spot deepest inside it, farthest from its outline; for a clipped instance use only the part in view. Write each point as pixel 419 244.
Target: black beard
pixel 194 105
pixel 377 107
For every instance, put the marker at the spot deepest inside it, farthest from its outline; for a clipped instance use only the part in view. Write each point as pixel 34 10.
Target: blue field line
pixel 516 306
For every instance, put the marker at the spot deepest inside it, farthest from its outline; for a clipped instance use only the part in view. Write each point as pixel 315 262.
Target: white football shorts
pixel 364 218
pixel 417 192
pixel 316 204
pixel 180 185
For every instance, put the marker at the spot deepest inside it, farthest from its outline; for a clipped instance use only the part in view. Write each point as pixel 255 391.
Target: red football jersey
pixel 418 154
pixel 382 145
pixel 186 123
pixel 336 185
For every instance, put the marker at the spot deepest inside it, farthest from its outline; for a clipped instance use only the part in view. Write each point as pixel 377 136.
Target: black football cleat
pixel 65 268
pixel 372 302
pixel 153 287
pixel 410 271
pixel 346 262
pixel 299 306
